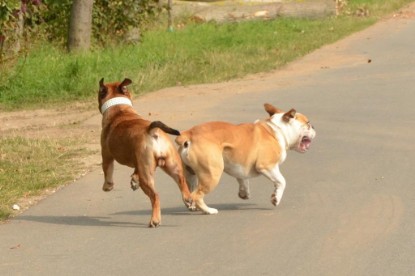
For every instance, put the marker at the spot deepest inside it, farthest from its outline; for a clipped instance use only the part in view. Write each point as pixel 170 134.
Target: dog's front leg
pixel 279 183
pixel 244 192
pixel 108 168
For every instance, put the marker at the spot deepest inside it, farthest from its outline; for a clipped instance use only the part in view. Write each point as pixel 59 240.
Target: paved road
pixel 349 206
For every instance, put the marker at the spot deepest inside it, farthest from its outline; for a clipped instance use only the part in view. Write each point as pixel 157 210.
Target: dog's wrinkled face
pixel 112 90
pixel 295 126
pixel 306 132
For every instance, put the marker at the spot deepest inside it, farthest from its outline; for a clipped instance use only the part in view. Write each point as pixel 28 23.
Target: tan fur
pixel 243 151
pixel 130 140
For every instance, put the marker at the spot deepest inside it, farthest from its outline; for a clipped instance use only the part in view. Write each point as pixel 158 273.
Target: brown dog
pixel 135 142
pixel 242 151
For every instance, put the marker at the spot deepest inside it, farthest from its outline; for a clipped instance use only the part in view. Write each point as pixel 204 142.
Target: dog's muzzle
pixel 305 141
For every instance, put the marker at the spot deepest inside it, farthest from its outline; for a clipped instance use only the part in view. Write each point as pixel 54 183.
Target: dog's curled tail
pixel 162 126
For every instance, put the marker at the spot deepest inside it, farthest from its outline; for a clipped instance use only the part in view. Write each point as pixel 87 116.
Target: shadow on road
pixel 83 221
pixel 110 221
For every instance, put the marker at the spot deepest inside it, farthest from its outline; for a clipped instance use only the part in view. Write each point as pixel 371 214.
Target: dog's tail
pixel 162 126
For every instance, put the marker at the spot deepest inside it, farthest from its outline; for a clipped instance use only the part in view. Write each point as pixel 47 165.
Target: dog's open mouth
pixel 304 144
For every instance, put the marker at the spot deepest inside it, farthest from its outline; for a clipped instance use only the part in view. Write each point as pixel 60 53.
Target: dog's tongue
pixel 305 143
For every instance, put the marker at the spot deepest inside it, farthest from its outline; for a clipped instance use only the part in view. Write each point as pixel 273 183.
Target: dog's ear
pixel 122 88
pixel 271 110
pixel 102 89
pixel 289 115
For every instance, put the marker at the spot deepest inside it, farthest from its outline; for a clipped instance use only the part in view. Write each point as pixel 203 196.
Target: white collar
pixel 115 101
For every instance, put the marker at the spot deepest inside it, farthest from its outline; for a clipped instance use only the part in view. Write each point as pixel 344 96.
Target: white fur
pixel 288 133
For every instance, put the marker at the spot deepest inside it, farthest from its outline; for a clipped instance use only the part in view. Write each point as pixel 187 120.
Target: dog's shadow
pixel 82 221
pixel 182 211
pixel 109 221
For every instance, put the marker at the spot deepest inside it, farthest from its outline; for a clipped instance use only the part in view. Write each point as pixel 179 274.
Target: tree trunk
pixel 170 16
pixel 80 26
pixel 19 32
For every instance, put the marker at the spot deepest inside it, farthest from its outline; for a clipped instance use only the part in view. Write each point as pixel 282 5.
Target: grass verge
pixel 196 53
pixel 29 166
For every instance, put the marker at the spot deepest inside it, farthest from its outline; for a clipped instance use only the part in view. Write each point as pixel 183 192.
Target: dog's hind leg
pixel 207 182
pixel 147 185
pixel 191 178
pixel 244 192
pixel 192 183
pixel 174 169
pixel 108 168
pixel 200 203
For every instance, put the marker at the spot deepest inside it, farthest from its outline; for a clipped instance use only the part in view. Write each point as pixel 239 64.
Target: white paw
pixel 192 207
pixel 275 200
pixel 211 211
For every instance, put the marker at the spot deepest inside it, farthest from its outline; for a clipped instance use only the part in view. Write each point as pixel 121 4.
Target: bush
pixel 48 20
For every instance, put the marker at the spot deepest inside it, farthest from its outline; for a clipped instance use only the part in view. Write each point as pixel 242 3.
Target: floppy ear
pixel 289 115
pixel 271 110
pixel 122 88
pixel 102 89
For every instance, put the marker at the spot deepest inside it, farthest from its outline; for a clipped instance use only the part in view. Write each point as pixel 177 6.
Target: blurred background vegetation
pixel 132 39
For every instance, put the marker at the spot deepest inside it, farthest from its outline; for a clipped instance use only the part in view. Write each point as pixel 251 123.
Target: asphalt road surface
pixel 349 205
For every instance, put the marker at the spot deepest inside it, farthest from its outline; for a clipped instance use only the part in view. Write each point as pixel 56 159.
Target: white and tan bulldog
pixel 242 151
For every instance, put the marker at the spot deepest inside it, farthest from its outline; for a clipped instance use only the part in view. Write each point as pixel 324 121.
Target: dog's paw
pixel 243 195
pixel 188 202
pixel 107 186
pixel 192 207
pixel 154 224
pixel 211 211
pixel 134 182
pixel 134 185
pixel 274 199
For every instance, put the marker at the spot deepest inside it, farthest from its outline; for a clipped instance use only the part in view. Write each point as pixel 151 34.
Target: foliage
pixel 48 20
pixel 8 10
pixel 112 20
pixel 55 14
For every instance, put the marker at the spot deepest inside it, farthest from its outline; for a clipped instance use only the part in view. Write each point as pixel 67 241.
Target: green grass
pixel 197 53
pixel 28 166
